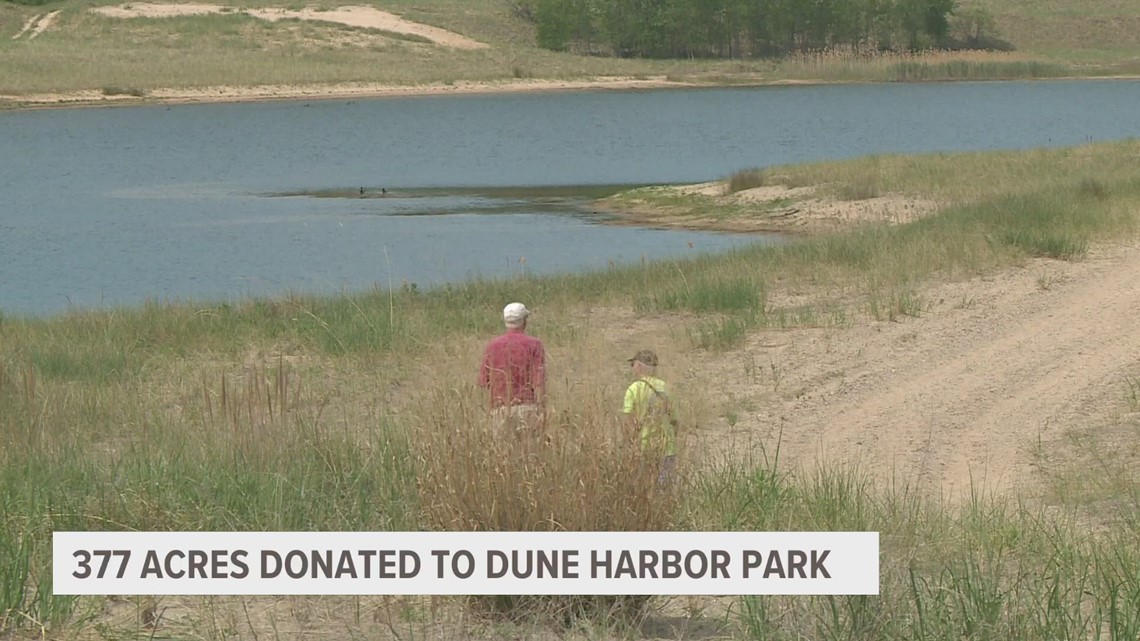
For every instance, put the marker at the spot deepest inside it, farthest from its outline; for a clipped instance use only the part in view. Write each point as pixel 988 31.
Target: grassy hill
pixel 81 50
pixel 1082 33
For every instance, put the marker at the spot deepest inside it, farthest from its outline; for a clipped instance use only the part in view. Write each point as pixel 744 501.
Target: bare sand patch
pixel 709 189
pixel 27 25
pixel 43 24
pixel 807 208
pixel 36 25
pixel 991 375
pixel 770 208
pixel 353 16
pixel 340 91
pixel 968 395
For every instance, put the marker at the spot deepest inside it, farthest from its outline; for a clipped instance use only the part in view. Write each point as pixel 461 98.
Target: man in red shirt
pixel 514 370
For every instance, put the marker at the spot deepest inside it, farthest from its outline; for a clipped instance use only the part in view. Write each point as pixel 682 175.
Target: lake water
pixel 113 206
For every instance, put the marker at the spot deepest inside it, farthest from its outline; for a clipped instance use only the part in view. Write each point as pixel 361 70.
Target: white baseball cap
pixel 515 314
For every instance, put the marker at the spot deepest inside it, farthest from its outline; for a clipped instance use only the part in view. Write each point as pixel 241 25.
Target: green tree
pixel 973 24
pixel 730 28
pixel 563 22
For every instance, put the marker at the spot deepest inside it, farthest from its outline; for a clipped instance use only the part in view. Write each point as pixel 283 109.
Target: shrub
pixel 746 179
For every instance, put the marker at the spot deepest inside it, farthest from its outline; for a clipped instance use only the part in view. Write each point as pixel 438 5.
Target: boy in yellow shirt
pixel 647 410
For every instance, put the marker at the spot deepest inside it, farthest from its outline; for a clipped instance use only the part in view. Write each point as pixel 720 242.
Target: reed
pixel 856 64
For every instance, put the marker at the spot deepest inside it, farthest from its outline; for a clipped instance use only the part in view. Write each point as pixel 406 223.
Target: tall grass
pixel 885 66
pixel 747 179
pixel 961 178
pixel 974 70
pixel 711 293
pixel 354 413
pixel 987 569
pixel 250 454
pixel 582 472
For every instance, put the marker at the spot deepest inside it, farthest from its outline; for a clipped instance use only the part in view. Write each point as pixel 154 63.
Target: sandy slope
pixel 964 393
pixel 365 17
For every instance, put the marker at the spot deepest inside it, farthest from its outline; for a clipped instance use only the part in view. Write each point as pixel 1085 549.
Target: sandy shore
pixel 343 91
pixel 260 93
pixel 771 209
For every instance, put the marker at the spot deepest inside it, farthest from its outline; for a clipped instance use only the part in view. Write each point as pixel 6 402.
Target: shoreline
pixel 275 93
pixel 369 90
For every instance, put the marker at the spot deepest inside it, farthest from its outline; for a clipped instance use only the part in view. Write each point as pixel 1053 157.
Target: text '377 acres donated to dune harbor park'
pixel 458 563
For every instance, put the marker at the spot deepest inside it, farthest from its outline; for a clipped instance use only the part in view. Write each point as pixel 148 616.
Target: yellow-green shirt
pixel 648 409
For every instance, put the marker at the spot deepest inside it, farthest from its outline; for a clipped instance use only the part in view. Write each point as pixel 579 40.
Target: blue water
pixel 111 206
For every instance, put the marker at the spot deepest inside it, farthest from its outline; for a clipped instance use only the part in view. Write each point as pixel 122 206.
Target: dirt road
pixel 991 372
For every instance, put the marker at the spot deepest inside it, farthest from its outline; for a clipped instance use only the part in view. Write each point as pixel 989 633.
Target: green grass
pixel 1089 172
pixel 1132 395
pixel 1000 208
pixel 1060 29
pixel 88 454
pixel 339 413
pixel 957 178
pixel 987 569
pixel 84 51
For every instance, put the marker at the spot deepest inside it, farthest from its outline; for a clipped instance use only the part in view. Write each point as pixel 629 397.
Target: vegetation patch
pixel 688 28
pixel 974 70
pixel 747 179
pixel 357 413
pixel 123 91
pixel 79 52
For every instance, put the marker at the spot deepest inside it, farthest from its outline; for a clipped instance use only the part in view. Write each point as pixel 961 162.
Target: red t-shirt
pixel 514 368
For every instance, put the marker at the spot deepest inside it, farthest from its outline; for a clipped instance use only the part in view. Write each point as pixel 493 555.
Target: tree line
pixel 735 28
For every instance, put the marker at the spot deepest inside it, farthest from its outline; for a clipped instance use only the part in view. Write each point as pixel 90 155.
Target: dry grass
pixel 296 414
pixel 886 66
pixel 1063 28
pixel 83 51
pixel 971 177
pixel 746 179
pixel 582 472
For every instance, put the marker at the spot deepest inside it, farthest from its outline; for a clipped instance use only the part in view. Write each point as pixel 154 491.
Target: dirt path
pixel 992 370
